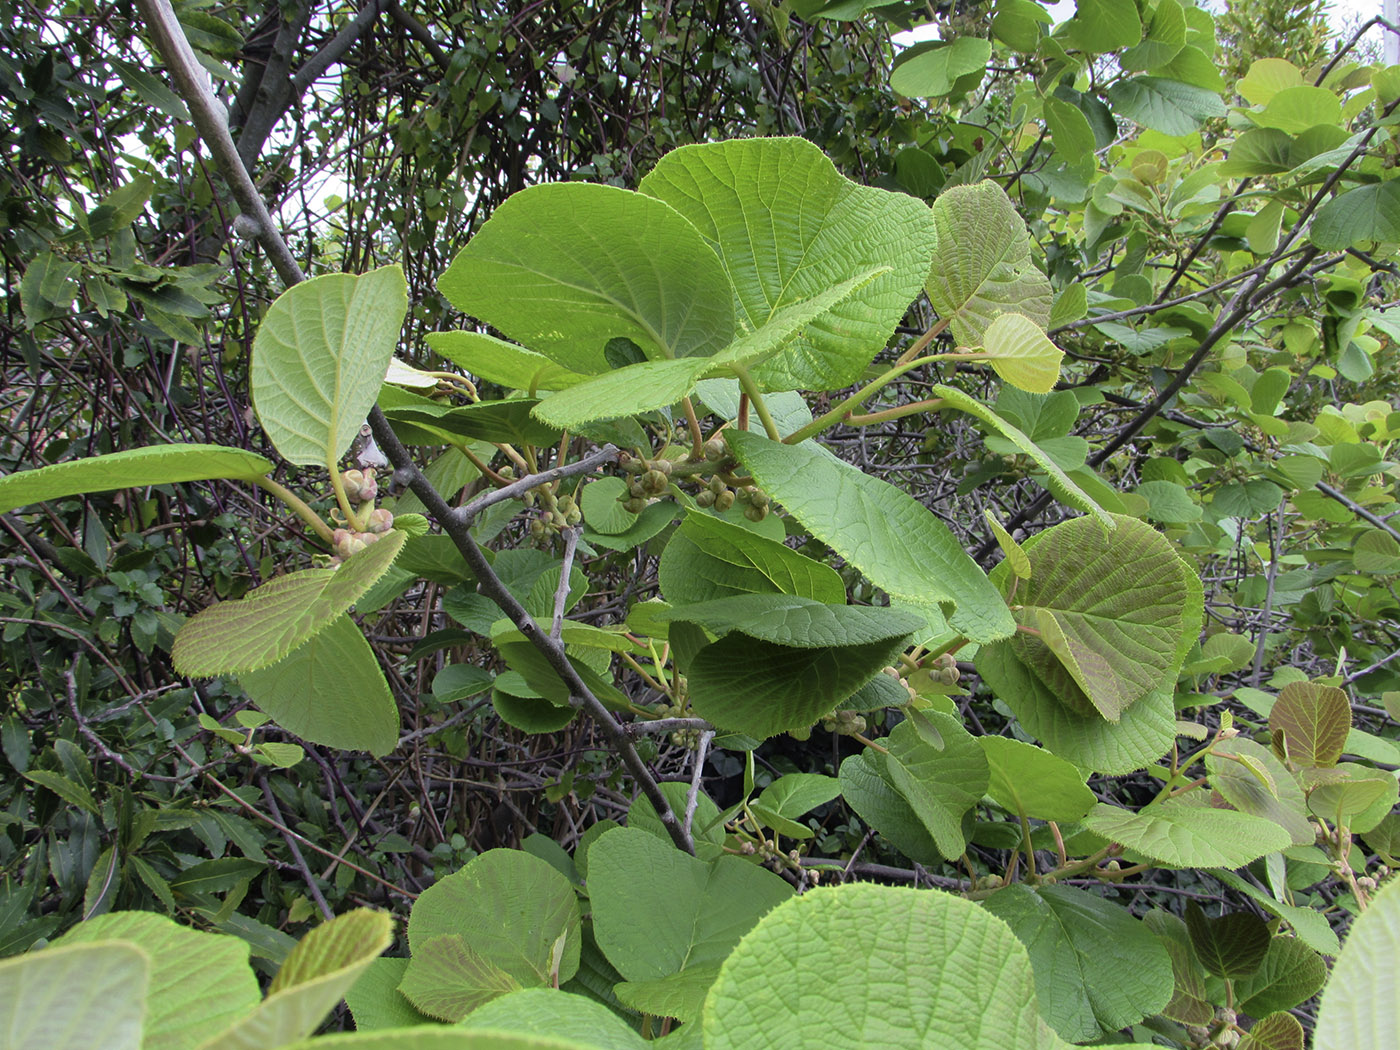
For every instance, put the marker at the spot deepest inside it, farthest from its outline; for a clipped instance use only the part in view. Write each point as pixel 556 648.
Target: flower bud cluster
pixel 555 512
pixel 360 488
pixel 844 723
pixel 945 669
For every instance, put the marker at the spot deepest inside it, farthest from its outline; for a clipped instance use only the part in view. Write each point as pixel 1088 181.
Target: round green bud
pixel 705 498
pixel 724 500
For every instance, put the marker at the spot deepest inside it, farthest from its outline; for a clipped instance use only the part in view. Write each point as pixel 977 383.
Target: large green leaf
pixel 552 1013
pixel 868 788
pixel 650 385
pixel 498 361
pixel 762 664
pixel 320 357
pixel 940 784
pixel 1097 969
pixel 1108 615
pixel 200 983
pixel 1168 106
pixel 658 911
pixel 503 921
pixel 255 632
pixel 439 1037
pixel 1291 973
pixel 563 268
pixel 1101 26
pixel 1177 834
pixel 895 541
pixel 1310 924
pixel 708 557
pixel 1065 489
pixel 787 227
pixel 375 1000
pixel 74 997
pixel 932 971
pixel 329 691
pixel 933 68
pixel 1141 736
pixel 1359 218
pixel 318 972
pixel 131 468
pixel 1359 1006
pixel 681 995
pixel 982 265
pixel 1232 945
pixel 1032 782
pixel 1275 795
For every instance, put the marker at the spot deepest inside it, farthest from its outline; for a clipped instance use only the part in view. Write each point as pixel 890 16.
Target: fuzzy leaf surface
pixel 1359 1006
pixel 1189 836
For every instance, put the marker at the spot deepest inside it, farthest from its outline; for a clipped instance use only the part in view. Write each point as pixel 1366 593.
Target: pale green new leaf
pixel 708 557
pixel 375 1000
pixel 1179 835
pixel 74 997
pixel 1359 1005
pixel 1064 488
pixel 130 468
pixel 319 359
pixel 890 537
pixel 440 1037
pixel 1097 969
pixel 498 361
pixel 1240 787
pixel 1032 782
pixel 940 784
pixel 658 911
pixel 788 226
pixel 256 631
pixel 982 264
pixel 565 267
pixel 933 972
pixel 329 691
pixel 318 972
pixel 681 995
pixel 497 921
pixel 200 983
pixel 931 69
pixel 1101 26
pixel 1021 353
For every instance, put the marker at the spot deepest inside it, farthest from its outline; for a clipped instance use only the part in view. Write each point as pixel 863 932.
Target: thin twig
pixel 692 798
pixel 300 861
pixel 561 593
pixel 588 463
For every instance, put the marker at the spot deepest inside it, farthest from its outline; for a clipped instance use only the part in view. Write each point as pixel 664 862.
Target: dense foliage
pixel 733 531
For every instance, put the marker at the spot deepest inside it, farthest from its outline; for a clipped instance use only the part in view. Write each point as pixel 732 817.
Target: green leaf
pixel 681 995
pixel 511 421
pixel 562 268
pixel 932 68
pixel 75 997
pixel 1032 782
pixel 132 468
pixel 1181 835
pixel 794 794
pixel 708 557
pixel 70 791
pixel 1359 218
pixel 1069 131
pixel 549 1012
pixel 329 691
pixel 1309 723
pixel 707 827
pixel 1097 968
pixel 1278 1031
pixel 1266 78
pixel 1101 26
pixel 494 924
pixel 895 541
pixel 650 385
pixel 1354 795
pixel 681 913
pixel 940 784
pixel 319 359
pixel 1298 108
pixel 982 263
pixel 1021 353
pixel 1359 1006
pixel 1168 106
pixel 1232 945
pixel 200 983
pixel 1115 613
pixel 1290 974
pixel 498 361
pixel 255 632
pixel 762 664
pixel 1280 799
pixel 1169 502
pixel 1309 923
pixel 869 789
pixel 789 227
pixel 794 980
pixel 318 972
pixel 438 1037
pixel 1065 489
